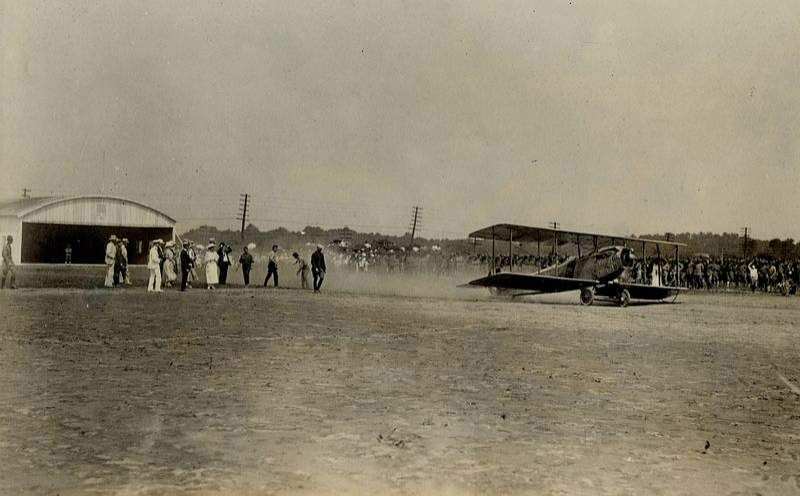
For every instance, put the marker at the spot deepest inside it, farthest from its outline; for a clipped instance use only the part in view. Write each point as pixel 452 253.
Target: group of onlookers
pixel 116 259
pixel 165 265
pixel 764 274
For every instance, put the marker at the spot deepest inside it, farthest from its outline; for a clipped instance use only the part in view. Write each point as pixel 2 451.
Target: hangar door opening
pixel 47 243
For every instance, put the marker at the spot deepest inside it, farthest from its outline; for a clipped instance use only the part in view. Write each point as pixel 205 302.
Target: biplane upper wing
pixel 527 234
pixel 533 282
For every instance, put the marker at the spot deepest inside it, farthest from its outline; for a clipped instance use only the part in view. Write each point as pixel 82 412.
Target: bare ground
pixel 285 392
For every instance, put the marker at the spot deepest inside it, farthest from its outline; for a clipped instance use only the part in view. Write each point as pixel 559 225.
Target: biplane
pixel 601 273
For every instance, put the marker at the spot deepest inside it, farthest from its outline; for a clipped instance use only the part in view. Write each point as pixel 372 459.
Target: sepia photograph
pixel 253 247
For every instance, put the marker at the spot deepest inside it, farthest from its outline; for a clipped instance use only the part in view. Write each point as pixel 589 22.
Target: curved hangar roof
pixel 85 210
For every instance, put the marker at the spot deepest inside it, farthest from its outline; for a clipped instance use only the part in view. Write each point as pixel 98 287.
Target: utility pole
pixel 745 247
pixel 416 220
pixel 243 211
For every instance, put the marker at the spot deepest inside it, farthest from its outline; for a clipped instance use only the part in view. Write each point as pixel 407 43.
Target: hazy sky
pixel 619 116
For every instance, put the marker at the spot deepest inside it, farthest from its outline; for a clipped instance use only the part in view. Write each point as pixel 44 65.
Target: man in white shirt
pixel 154 266
pixel 272 266
pixel 111 257
pixel 753 276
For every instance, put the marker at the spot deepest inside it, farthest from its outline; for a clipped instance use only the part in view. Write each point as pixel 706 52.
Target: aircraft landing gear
pixel 501 293
pixel 587 296
pixel 624 298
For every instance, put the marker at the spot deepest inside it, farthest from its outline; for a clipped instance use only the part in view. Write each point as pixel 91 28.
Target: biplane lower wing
pixel 533 282
pixel 639 291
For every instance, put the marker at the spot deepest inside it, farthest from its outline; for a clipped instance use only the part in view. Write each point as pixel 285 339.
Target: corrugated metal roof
pixel 21 207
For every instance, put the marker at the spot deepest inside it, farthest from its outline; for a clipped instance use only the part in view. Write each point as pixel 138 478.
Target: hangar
pixel 44 227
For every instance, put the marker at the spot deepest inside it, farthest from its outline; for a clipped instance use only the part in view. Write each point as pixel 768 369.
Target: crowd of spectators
pixel 699 272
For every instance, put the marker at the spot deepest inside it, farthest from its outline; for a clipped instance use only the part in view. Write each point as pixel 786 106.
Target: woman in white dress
pixel 212 269
pixel 170 274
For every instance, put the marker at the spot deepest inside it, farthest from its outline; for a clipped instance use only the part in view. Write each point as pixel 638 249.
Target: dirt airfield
pixel 383 386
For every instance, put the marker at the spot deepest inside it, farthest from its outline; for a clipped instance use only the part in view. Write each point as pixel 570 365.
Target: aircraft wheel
pixel 501 292
pixel 624 298
pixel 587 296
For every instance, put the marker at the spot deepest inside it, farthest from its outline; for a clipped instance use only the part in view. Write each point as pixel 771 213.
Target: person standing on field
pixel 170 272
pixel 272 266
pixel 223 261
pixel 753 271
pixel 119 265
pixel 186 265
pixel 154 266
pixel 302 270
pixel 126 278
pixel 193 258
pixel 111 260
pixel 212 269
pixel 246 261
pixel 318 268
pixel 7 268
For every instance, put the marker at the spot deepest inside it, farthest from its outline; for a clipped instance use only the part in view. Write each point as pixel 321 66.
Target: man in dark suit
pixel 246 261
pixel 318 268
pixel 186 265
pixel 224 261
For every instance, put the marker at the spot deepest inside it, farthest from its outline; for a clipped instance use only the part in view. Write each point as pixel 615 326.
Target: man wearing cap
pixel 272 266
pixel 318 268
pixel 8 265
pixel 111 259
